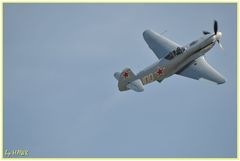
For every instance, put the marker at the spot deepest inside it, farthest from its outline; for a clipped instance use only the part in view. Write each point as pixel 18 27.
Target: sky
pixel 61 99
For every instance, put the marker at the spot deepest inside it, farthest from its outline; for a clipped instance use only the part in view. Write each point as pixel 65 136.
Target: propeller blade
pixel 206 32
pixel 215 27
pixel 220 45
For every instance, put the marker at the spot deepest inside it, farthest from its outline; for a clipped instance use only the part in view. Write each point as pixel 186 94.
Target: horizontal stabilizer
pixel 127 80
pixel 136 85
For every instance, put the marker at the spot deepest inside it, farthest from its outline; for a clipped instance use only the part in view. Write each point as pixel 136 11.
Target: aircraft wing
pixel 201 69
pixel 159 44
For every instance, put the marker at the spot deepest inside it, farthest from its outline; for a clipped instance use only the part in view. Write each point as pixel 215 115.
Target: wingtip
pixel 222 82
pixel 147 32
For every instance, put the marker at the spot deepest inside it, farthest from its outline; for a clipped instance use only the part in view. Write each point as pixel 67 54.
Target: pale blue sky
pixel 61 99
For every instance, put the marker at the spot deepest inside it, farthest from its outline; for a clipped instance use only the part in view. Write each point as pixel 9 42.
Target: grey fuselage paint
pixel 170 67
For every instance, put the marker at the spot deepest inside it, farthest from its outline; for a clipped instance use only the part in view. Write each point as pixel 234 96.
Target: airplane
pixel 187 60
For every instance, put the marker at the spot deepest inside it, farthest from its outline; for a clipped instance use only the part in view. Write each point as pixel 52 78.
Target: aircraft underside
pixel 187 61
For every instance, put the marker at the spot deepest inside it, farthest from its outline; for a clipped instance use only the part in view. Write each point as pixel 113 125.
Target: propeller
pixel 217 34
pixel 206 32
pixel 215 27
pixel 220 45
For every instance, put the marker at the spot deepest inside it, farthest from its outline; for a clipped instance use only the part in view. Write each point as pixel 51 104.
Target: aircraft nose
pixel 218 35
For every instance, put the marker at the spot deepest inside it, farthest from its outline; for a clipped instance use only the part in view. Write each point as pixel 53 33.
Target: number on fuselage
pixel 148 78
pixel 153 76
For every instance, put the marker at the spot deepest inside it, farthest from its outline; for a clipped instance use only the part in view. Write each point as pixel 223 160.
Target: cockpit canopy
pixel 175 53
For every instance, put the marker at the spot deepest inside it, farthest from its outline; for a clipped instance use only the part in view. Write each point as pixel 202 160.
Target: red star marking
pixel 125 74
pixel 159 71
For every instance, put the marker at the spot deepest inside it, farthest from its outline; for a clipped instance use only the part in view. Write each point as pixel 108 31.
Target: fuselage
pixel 177 59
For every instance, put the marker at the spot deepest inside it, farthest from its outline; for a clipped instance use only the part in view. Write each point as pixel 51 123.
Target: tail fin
pixel 127 80
pixel 126 75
